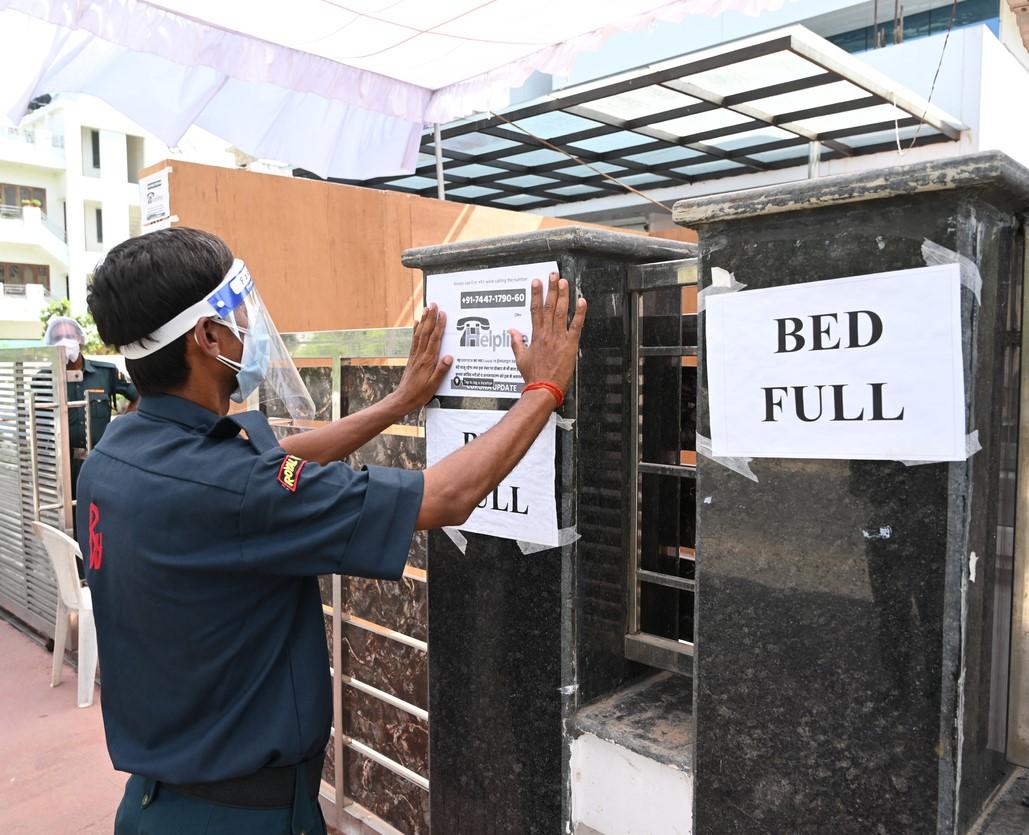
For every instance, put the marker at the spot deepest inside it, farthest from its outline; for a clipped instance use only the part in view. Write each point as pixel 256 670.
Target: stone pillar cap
pixel 544 244
pixel 988 170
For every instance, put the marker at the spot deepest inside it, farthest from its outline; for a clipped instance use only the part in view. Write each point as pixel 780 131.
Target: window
pixel 663 513
pixel 15 276
pixel 134 159
pixel 99 226
pixel 94 141
pixel 13 197
pixel 918 25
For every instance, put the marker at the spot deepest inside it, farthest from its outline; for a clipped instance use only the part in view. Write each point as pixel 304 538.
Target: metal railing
pixel 335 350
pixel 669 653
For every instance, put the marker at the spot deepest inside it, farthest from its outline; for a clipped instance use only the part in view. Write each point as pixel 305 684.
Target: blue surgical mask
pixel 252 368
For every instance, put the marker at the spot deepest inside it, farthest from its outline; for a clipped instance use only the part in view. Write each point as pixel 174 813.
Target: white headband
pixel 235 287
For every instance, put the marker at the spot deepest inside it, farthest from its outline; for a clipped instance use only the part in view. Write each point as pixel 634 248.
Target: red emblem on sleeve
pixel 289 472
pixel 96 539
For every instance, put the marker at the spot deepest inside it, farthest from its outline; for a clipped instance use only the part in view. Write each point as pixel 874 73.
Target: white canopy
pixel 342 88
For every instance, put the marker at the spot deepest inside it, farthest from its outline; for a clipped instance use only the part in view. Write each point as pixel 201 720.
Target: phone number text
pixel 496 298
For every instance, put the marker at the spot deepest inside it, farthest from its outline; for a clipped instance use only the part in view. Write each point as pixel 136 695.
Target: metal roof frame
pixel 693 152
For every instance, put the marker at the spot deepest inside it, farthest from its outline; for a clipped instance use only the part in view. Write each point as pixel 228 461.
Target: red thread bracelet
pixel 558 395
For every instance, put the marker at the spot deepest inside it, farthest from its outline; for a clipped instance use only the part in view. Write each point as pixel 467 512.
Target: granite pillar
pixel 851 660
pixel 517 642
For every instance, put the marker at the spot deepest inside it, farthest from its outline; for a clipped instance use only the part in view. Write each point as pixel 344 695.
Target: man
pixel 99 383
pixel 204 534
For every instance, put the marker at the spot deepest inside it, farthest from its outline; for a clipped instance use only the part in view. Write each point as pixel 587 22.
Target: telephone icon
pixel 474 329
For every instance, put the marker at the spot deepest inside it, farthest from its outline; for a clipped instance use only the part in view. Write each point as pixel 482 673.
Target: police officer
pixel 204 534
pixel 97 383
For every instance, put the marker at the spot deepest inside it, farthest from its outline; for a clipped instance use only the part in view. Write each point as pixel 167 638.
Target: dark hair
pixel 144 282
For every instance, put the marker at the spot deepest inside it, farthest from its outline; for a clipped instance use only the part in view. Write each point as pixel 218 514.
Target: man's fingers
pixel 439 372
pixel 561 308
pixel 436 335
pixel 547 324
pixel 418 337
pixel 580 315
pixel 517 344
pixel 536 305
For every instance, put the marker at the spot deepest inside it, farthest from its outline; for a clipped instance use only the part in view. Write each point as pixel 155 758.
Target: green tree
pixel 62 307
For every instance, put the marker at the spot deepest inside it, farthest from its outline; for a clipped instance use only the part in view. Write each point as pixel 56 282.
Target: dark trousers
pixel 151 808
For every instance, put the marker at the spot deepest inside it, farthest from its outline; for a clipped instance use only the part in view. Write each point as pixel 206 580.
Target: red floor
pixel 55 775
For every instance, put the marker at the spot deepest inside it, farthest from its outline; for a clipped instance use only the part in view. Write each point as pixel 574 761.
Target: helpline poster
pixel 482 306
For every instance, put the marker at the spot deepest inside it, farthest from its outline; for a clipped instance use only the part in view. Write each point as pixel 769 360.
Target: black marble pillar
pixel 517 642
pixel 844 676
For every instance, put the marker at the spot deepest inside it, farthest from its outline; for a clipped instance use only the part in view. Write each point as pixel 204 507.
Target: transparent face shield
pixel 266 377
pixel 66 332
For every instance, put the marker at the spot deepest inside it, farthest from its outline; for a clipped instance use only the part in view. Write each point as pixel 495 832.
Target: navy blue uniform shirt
pixel 202 549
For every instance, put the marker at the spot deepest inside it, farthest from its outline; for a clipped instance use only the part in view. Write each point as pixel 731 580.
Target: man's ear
pixel 205 337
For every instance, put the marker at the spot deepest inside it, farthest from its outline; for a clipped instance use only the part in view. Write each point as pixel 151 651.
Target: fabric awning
pixel 342 88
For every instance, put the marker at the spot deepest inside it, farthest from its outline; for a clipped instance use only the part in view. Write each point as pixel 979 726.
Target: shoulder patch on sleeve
pixel 289 472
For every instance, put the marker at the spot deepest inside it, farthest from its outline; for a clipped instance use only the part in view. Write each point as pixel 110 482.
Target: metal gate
pixel 35 479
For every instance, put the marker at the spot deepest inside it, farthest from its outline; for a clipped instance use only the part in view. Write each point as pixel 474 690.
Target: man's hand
pixel 555 343
pixel 422 377
pixel 425 367
pixel 455 485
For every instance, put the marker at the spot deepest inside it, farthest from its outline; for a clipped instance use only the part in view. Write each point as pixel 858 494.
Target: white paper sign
pixel 153 196
pixel 867 367
pixel 481 306
pixel 523 506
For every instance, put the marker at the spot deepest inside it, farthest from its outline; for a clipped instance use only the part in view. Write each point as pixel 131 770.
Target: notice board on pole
pixel 482 306
pixel 867 367
pixel 523 506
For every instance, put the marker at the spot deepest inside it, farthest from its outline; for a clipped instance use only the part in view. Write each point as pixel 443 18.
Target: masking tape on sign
pixel 722 281
pixel 972 446
pixel 457 538
pixel 737 465
pixel 933 254
pixel 565 536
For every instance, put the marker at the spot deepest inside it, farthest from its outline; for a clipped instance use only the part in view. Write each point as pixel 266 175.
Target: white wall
pixel 92 229
pixel 1004 92
pixel 616 791
pixel 71 179
pixel 20 240
pixel 112 186
pixel 52 181
pixel 135 154
pixel 24 254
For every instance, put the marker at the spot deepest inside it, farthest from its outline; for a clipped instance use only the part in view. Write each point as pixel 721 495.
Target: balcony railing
pixel 34 137
pixel 8 212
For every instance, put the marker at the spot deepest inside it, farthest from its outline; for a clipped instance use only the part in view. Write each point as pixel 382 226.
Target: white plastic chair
pixel 72 597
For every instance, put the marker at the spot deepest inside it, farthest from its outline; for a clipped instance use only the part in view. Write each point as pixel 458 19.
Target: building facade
pixel 69 191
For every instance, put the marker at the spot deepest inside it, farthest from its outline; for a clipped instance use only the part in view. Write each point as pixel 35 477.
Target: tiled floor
pixel 55 775
pixel 1010 814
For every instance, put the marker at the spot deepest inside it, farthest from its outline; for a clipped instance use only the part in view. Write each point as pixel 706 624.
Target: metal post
pixel 1018 681
pixel 440 188
pixel 814 156
pixel 337 701
pixel 33 456
pixel 632 581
